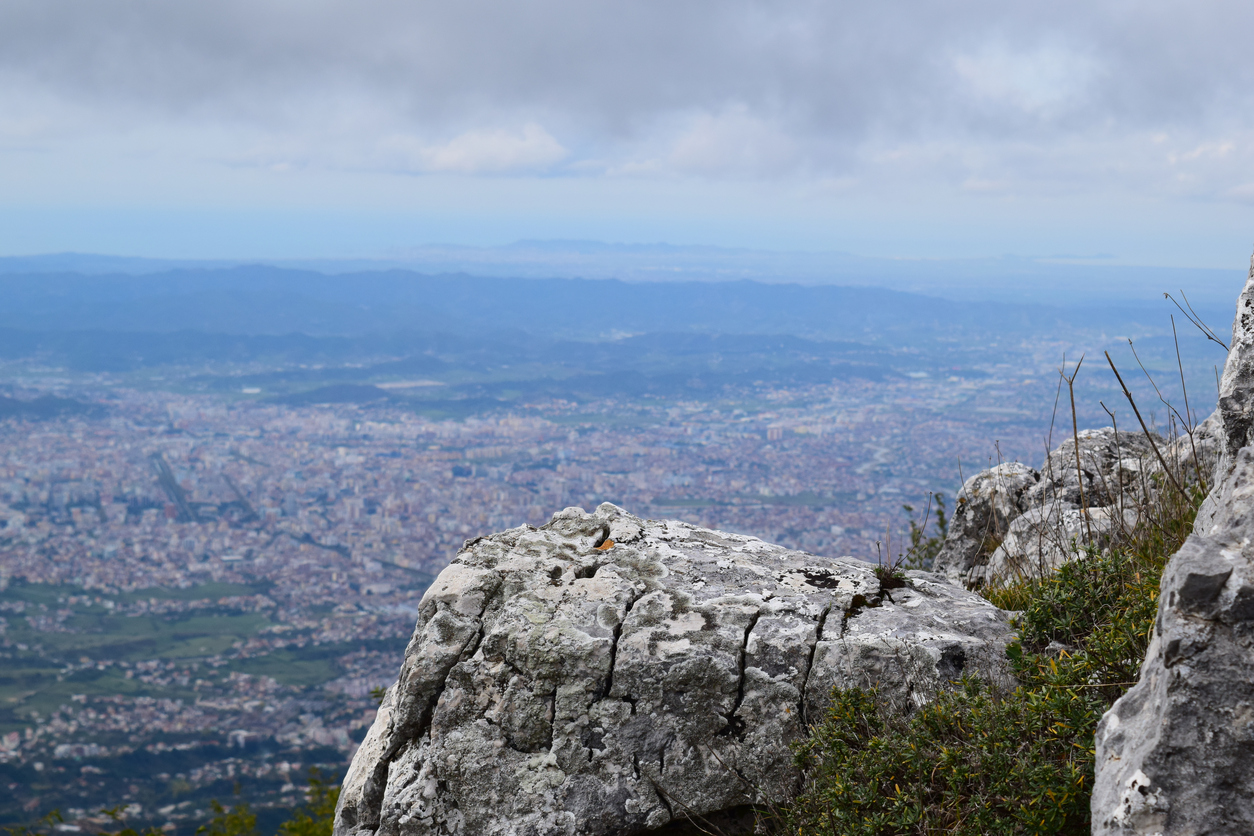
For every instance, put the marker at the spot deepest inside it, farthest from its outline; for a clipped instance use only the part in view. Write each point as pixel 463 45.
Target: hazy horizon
pixel 1063 280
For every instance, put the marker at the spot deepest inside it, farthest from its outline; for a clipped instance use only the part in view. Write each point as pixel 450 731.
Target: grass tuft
pixel 982 760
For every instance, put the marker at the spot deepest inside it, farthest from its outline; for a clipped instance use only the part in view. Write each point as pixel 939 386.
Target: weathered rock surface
pixel 554 687
pixel 1012 521
pixel 987 503
pixel 1112 465
pixel 1175 755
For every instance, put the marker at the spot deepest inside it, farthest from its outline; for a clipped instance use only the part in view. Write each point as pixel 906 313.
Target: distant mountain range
pixel 1060 280
pixel 265 300
pixel 457 343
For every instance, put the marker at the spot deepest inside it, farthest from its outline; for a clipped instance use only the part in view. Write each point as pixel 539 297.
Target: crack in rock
pixel 805 681
pixel 614 722
pixel 409 731
pixel 618 632
pixel 735 725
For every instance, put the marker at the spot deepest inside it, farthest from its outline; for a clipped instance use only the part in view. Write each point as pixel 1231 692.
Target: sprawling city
pixel 202 594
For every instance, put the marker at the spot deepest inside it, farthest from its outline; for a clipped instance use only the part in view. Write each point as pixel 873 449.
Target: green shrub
pixel 237 820
pixel 978 760
pixel 318 815
pixel 971 761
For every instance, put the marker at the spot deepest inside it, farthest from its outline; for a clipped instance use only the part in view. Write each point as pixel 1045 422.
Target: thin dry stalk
pixel 910 556
pixel 1148 436
pixel 1075 434
pixel 1049 439
pixel 1018 563
pixel 1171 410
pixel 1197 320
pixel 690 813
pixel 1119 463
pixel 752 791
pixel 1197 461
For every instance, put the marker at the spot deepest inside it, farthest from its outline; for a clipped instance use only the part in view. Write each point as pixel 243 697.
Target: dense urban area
pixel 201 594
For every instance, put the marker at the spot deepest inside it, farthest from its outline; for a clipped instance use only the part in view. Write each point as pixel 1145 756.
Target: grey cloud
pixel 615 81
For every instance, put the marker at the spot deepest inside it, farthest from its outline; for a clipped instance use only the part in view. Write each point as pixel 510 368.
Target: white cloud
pixel 732 142
pixel 482 152
pixel 1043 78
pixel 839 98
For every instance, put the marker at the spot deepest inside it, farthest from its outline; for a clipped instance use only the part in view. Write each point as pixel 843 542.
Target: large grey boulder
pixel 1175 755
pixel 610 675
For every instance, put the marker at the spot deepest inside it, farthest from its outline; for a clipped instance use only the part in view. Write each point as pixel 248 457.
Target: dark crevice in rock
pixel 367 815
pixel 662 797
pixel 859 603
pixel 735 821
pixel 594 741
pixel 618 632
pixel 885 581
pixel 552 715
pixel 952 663
pixel 805 679
pixel 472 647
pixel 890 579
pixel 735 725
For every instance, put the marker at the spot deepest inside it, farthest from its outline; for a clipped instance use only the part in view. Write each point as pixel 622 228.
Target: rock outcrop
pixel 986 505
pixel 1175 755
pixel 610 675
pixel 1013 522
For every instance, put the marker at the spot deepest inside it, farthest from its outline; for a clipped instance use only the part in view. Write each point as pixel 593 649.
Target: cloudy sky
pixel 1122 130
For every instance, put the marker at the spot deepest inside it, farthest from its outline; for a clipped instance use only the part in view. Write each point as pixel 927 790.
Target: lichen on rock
pixel 556 686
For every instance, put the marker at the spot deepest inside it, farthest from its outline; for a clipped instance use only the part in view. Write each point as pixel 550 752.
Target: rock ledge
pixel 610 675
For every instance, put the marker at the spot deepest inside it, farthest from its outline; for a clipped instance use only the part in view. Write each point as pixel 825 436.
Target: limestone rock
pixel 1210 441
pixel 1174 754
pixel 987 503
pixel 1047 536
pixel 608 675
pixel 1111 465
pixel 1014 522
pixel 1197 455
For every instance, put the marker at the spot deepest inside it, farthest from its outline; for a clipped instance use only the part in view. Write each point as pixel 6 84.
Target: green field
pixel 41 669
